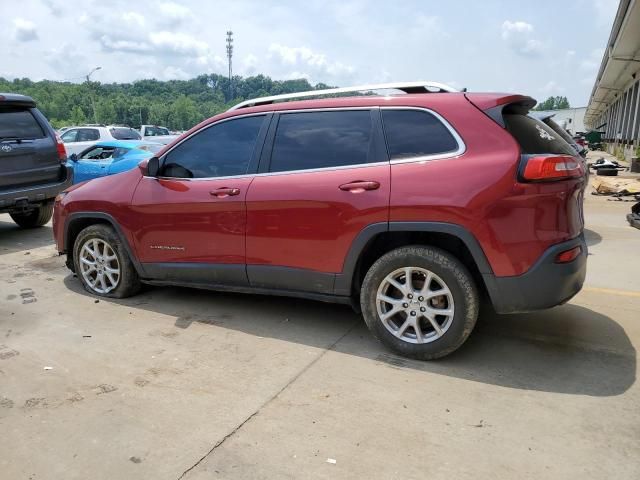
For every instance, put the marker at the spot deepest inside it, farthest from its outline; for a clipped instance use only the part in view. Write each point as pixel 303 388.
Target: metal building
pixel 571 119
pixel 614 106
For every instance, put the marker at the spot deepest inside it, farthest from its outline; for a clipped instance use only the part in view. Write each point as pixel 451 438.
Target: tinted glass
pixel 98 154
pixel 414 133
pixel 70 136
pixel 19 123
pixel 222 150
pixel 156 131
pixel 535 136
pixel 124 133
pixel 321 139
pixel 88 135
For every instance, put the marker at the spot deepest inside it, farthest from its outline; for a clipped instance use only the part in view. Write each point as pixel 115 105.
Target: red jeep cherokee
pixel 412 206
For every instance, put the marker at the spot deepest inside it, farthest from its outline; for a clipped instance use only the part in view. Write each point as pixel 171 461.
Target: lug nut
pixel 405 305
pixel 422 309
pixel 409 296
pixel 413 314
pixel 421 299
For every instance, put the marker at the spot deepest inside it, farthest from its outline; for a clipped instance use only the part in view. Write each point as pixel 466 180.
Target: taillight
pixel 551 167
pixel 62 152
pixel 569 255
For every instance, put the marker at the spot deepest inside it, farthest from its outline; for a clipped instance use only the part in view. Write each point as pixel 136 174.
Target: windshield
pixel 156 131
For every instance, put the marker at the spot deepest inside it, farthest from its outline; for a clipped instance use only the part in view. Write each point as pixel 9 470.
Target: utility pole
pixel 93 103
pixel 229 56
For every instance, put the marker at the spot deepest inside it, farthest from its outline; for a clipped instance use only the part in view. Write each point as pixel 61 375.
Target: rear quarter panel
pixel 513 222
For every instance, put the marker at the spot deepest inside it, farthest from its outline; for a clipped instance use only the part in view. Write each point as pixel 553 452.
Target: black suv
pixel 32 169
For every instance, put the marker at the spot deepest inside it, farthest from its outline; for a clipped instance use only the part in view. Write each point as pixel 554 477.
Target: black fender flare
pixel 111 221
pixel 343 281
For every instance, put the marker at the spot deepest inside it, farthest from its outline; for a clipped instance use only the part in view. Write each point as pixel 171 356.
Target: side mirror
pixel 150 167
pixel 74 157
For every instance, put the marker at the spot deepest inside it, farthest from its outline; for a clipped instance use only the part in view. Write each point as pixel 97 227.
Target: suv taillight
pixel 62 153
pixel 540 168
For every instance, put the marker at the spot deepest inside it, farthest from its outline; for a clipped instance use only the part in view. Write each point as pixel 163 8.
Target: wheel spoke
pixel 404 327
pixel 387 299
pixel 87 262
pixel 419 337
pixel 103 284
pixel 391 313
pixel 437 293
pixel 397 284
pixel 427 281
pixel 408 279
pixel 110 277
pixel 435 325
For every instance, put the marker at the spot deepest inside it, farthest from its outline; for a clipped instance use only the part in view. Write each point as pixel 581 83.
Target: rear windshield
pixel 534 136
pixel 156 131
pixel 124 133
pixel 18 123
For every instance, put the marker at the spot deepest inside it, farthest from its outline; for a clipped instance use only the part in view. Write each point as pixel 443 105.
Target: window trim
pixel 462 147
pixel 376 125
pixel 255 156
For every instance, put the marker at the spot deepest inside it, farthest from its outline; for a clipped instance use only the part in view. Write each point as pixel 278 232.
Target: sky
pixel 539 48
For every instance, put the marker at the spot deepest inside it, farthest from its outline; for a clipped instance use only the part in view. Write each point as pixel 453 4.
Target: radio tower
pixel 229 56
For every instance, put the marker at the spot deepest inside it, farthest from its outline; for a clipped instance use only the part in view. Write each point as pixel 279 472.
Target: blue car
pixel 108 158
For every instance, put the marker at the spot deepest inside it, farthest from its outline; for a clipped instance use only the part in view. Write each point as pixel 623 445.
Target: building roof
pixel 620 62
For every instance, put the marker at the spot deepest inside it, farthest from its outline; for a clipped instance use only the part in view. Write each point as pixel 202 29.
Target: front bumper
pixel 544 285
pixel 36 194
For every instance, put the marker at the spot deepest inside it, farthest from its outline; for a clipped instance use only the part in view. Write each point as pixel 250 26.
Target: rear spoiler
pixel 495 104
pixel 17 100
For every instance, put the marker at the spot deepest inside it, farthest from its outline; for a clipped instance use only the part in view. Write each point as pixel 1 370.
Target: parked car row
pixel 413 208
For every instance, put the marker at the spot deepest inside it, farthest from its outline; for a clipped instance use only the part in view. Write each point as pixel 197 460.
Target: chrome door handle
pixel 225 192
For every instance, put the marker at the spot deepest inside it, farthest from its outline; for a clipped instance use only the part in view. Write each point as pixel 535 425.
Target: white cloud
pixel 519 37
pixel 552 87
pixel 592 62
pixel 53 7
pixel 133 18
pixel 175 73
pixel 180 43
pixel 250 64
pixel 308 63
pixel 173 13
pixel 24 30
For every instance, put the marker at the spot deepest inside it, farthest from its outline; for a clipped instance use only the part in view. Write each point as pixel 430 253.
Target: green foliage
pixel 177 104
pixel 553 103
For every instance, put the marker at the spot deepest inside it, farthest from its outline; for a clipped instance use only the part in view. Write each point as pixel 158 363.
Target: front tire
pixel 102 263
pixel 37 217
pixel 420 302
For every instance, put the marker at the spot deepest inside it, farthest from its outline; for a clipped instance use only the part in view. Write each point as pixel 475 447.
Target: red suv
pixel 410 207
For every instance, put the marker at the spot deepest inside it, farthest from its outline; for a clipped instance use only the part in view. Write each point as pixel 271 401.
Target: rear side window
pixel 88 135
pixel 321 139
pixel 222 150
pixel 124 133
pixel 416 133
pixel 534 136
pixel 19 123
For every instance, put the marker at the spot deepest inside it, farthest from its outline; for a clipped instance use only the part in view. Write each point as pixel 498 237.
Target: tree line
pixel 553 103
pixel 176 104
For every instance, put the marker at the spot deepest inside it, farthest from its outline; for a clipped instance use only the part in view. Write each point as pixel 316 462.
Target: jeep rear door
pixel 28 153
pixel 189 224
pixel 324 178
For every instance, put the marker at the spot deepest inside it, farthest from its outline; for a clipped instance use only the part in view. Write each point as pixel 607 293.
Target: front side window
pixel 70 136
pixel 222 150
pixel 97 154
pixel 416 133
pixel 311 140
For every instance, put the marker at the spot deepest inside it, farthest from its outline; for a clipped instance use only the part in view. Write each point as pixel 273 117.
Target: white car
pixel 77 139
pixel 155 133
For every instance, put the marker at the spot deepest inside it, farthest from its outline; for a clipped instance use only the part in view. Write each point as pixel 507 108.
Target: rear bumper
pixel 544 285
pixel 34 194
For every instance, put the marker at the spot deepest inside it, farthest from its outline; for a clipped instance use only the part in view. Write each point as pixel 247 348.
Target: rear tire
pixel 102 264
pixel 607 172
pixel 427 319
pixel 35 218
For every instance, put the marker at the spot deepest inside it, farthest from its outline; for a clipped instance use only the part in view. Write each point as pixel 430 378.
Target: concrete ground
pixel 178 383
